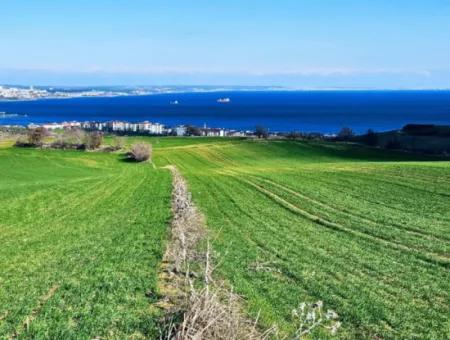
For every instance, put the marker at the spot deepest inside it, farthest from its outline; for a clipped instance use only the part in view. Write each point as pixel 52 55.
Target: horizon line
pixel 227 87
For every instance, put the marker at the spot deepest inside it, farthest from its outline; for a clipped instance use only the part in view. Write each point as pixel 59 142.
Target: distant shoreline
pixel 227 90
pixel 309 111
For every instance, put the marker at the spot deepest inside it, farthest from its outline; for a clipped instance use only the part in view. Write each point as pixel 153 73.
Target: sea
pixel 278 111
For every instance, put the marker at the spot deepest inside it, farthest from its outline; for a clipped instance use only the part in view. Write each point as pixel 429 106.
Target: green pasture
pixel 365 231
pixel 82 236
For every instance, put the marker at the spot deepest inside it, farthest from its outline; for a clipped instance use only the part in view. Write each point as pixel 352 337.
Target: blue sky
pixel 301 43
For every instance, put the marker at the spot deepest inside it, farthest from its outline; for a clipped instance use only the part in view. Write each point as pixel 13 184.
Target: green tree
pixel 261 131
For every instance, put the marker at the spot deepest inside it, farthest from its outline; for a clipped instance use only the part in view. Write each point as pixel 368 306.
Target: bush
pixel 70 139
pixel 261 132
pixel 346 133
pixel 74 136
pixel 93 140
pixel 371 138
pixel 22 141
pixel 141 152
pixel 36 136
pixel 118 143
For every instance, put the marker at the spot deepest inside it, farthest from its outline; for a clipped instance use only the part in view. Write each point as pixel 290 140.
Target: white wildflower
pixel 331 315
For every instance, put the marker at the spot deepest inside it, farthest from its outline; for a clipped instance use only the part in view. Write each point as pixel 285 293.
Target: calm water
pixel 279 111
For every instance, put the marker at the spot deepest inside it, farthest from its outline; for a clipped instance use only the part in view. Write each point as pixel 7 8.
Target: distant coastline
pixel 14 93
pixel 24 93
pixel 283 111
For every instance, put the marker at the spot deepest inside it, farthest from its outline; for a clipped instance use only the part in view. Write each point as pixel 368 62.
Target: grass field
pixel 82 236
pixel 364 231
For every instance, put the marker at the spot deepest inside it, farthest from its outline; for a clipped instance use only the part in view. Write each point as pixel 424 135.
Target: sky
pixel 298 43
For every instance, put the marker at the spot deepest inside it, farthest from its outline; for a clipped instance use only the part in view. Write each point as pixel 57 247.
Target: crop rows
pixel 82 237
pixel 362 230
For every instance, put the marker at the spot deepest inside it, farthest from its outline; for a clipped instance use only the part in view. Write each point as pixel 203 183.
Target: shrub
pixel 371 138
pixel 141 152
pixel 346 133
pixel 74 136
pixel 36 136
pixel 118 143
pixel 70 139
pixel 93 140
pixel 261 132
pixel 22 141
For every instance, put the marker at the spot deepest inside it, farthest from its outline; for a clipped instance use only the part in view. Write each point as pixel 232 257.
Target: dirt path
pixel 187 231
pixel 195 304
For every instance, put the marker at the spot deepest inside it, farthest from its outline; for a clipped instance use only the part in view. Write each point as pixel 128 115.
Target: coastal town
pixel 22 92
pixel 33 93
pixel 142 128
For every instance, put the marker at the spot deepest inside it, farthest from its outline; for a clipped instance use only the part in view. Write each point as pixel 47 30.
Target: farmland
pixel 82 235
pixel 363 230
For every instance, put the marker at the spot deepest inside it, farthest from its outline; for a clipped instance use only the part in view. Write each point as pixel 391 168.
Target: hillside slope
pixel 82 236
pixel 365 231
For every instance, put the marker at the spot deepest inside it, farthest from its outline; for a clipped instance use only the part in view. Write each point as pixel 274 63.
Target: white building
pixel 151 128
pixel 63 125
pixel 156 129
pixel 148 127
pixel 213 132
pixel 180 130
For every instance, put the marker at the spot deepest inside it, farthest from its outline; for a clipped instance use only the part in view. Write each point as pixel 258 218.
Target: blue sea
pixel 309 111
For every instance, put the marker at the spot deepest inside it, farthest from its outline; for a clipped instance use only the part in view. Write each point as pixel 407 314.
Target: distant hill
pixel 426 138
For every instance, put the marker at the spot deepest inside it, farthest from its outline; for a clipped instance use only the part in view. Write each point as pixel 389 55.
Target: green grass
pixel 365 231
pixel 170 142
pixel 82 236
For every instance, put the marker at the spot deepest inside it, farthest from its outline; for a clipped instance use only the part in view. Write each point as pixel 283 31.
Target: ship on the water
pixel 224 100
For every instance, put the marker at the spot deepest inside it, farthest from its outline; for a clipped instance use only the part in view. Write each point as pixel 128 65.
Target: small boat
pixel 175 102
pixel 224 100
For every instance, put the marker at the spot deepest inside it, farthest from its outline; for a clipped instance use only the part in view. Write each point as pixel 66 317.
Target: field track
pixel 363 230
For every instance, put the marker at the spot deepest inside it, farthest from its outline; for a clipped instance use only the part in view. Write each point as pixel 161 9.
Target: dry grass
pixel 197 307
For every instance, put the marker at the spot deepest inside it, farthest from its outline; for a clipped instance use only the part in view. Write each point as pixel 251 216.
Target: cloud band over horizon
pixel 302 79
